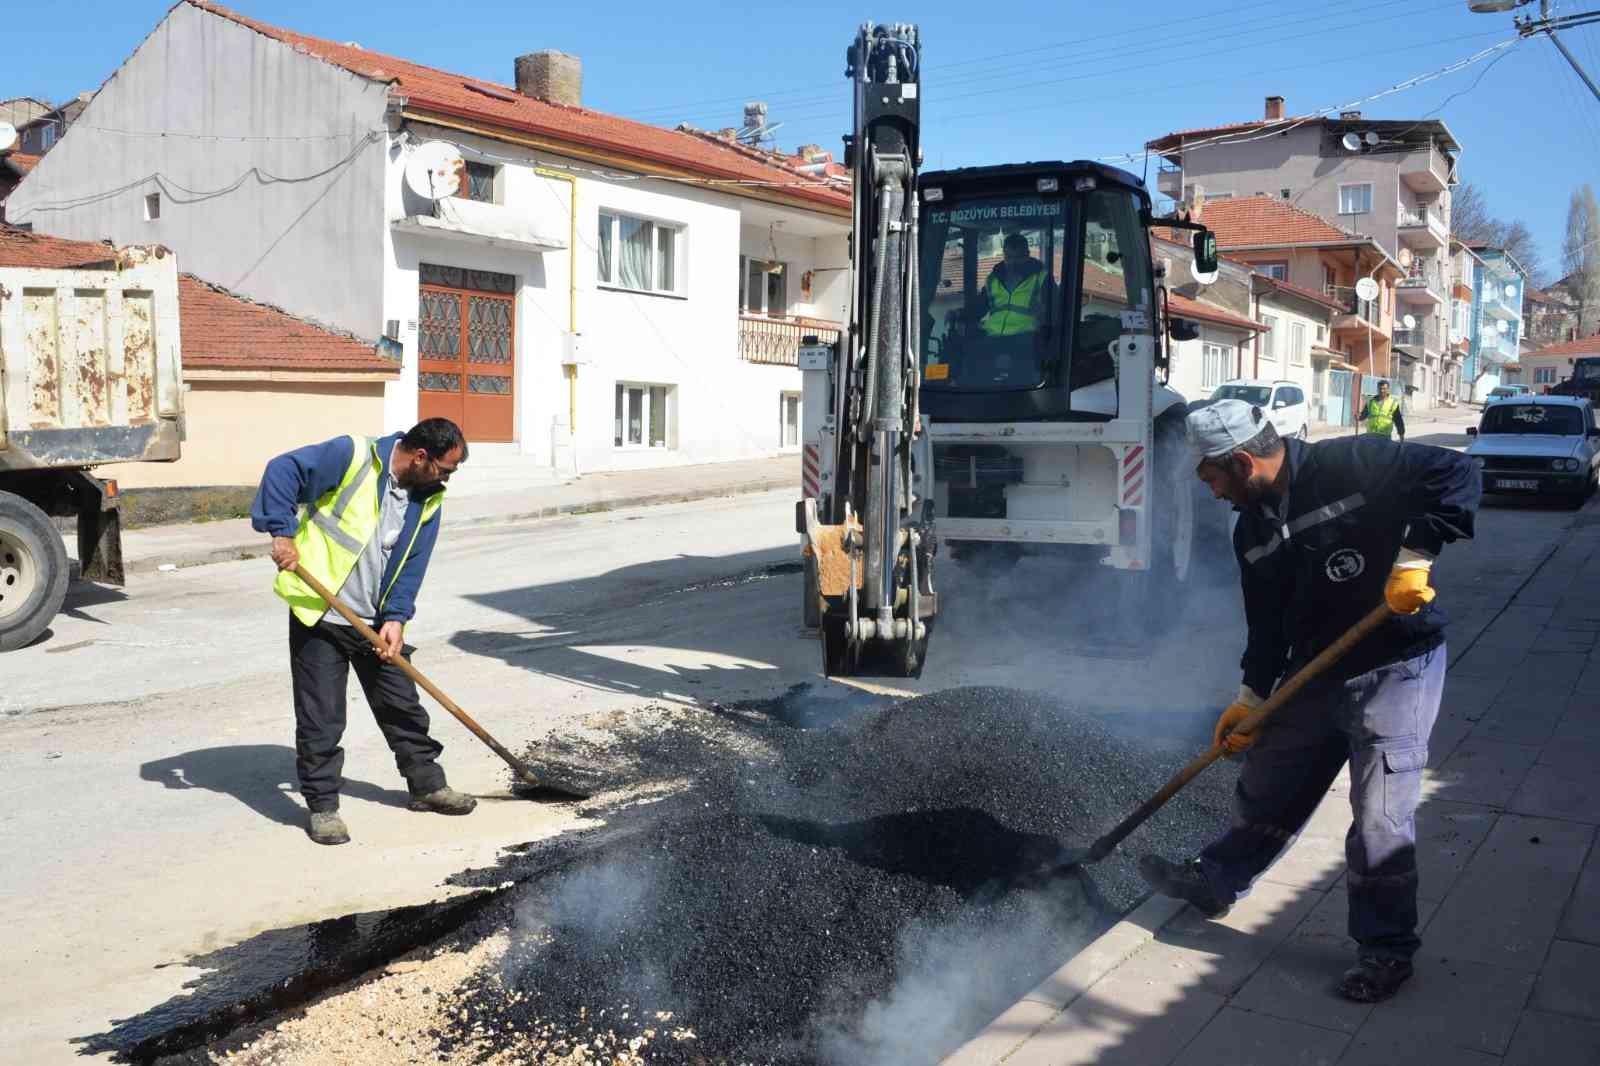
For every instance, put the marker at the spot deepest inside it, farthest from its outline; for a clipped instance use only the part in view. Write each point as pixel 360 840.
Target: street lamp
pixel 1545 24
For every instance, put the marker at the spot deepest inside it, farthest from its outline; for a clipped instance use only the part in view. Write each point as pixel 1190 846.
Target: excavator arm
pixel 867 542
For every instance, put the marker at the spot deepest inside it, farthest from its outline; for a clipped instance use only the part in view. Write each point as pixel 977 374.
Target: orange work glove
pixel 1408 591
pixel 1246 702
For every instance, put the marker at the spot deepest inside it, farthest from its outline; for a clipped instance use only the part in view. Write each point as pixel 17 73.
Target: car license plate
pixel 1503 483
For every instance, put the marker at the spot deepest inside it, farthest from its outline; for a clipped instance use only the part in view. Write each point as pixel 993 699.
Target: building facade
pixel 1495 339
pixel 1387 180
pixel 597 294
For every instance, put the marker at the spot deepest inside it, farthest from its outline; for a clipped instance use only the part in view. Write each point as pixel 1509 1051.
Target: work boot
pixel 1374 979
pixel 328 828
pixel 1185 881
pixel 444 801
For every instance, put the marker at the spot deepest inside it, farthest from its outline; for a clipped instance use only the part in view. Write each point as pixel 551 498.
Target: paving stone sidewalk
pixel 1510 879
pixel 195 543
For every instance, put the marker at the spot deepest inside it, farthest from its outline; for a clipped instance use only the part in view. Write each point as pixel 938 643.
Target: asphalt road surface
pixel 150 813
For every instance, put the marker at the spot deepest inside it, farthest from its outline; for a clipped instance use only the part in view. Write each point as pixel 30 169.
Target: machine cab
pixel 1029 277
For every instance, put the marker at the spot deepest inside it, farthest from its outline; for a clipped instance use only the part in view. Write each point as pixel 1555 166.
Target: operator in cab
pixel 1014 292
pixel 1327 532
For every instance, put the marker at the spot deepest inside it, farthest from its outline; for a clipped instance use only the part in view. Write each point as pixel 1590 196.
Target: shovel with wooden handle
pixel 528 783
pixel 1251 722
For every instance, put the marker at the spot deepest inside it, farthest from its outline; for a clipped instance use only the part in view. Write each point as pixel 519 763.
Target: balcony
pixel 776 341
pixel 1169 181
pixel 1423 340
pixel 1358 314
pixel 1421 286
pixel 1425 170
pixel 1421 230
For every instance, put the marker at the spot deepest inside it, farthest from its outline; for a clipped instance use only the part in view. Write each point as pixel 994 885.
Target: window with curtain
pixel 1297 346
pixel 643 416
pixel 1216 365
pixel 1355 199
pixel 1269 338
pixel 637 253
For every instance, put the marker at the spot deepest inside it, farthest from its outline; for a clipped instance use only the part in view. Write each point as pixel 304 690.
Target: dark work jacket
pixel 1315 562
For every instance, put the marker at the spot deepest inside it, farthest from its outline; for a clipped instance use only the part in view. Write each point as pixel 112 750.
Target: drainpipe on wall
pixel 1255 315
pixel 570 369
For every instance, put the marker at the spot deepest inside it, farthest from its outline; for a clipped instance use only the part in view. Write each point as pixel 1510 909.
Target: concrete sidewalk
pixel 1510 878
pixel 195 543
pixel 1422 426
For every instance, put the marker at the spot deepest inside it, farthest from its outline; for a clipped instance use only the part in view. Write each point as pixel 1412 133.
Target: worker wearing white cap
pixel 1326 531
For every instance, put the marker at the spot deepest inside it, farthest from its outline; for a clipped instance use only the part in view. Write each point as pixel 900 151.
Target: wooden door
pixel 466 350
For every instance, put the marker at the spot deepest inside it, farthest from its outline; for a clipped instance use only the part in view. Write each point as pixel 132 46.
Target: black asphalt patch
pixel 863 893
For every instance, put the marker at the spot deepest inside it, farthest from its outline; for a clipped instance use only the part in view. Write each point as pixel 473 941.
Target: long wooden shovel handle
pixel 1251 722
pixel 517 765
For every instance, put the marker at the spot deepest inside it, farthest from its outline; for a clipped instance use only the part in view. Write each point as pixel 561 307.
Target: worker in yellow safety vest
pixel 1382 414
pixel 1015 292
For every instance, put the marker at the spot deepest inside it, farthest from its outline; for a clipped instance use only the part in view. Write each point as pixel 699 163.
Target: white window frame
pixel 496 181
pixel 679 288
pixel 1297 344
pixel 1544 375
pixel 784 425
pixel 745 263
pixel 1278 271
pixel 620 427
pixel 1367 185
pixel 1269 340
pixel 1215 356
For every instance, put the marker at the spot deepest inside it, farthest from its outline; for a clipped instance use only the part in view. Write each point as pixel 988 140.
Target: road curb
pixel 1051 997
pixel 256 547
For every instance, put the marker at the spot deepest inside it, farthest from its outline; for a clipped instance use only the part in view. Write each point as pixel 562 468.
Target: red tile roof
pixel 1174 139
pixel 1266 221
pixel 223 331
pixel 20 248
pixel 1302 292
pixel 1581 346
pixel 20 162
pixel 457 95
pixel 1183 307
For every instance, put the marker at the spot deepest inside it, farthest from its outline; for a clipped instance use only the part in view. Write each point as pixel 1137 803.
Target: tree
pixel 1473 222
pixel 1580 257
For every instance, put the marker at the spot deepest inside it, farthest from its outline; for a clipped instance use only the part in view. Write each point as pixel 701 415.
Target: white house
pixel 601 294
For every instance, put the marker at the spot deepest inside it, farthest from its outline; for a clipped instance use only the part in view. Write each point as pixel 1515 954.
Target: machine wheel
pixel 1155 595
pixel 33 572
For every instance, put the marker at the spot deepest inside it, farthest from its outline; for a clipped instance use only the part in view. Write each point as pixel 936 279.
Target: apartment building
pixel 1384 179
pixel 1495 338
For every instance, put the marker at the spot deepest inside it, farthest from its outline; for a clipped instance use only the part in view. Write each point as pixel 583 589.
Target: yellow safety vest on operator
pixel 335 530
pixel 1380 415
pixel 1012 311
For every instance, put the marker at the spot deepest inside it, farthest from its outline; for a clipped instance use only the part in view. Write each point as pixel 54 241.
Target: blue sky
pixel 1002 82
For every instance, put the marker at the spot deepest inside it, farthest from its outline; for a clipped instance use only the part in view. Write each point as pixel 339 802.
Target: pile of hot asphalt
pixel 868 892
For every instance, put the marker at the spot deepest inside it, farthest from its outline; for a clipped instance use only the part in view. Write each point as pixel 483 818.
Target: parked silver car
pixel 1544 445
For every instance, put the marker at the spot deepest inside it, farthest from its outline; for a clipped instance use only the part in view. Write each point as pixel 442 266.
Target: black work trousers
pixel 320 658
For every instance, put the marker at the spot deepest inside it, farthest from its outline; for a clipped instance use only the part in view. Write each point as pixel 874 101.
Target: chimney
pixel 551 76
pixel 809 152
pixel 1197 202
pixel 1274 108
pixel 1350 116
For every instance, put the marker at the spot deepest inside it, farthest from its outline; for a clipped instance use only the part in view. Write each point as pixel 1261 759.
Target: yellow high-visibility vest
pixel 1014 310
pixel 1380 415
pixel 335 530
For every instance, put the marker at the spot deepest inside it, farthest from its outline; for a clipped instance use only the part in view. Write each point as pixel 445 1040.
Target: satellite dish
pixel 1204 277
pixel 1351 142
pixel 436 169
pixel 1405 257
pixel 1503 326
pixel 8 135
pixel 1367 289
pixel 1371 138
pixel 1410 321
pixel 1511 292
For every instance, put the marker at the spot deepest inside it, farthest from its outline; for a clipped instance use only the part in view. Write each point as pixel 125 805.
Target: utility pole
pixel 1545 24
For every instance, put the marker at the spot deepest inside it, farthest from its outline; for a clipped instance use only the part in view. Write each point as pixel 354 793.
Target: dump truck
pixel 1001 380
pixel 90 373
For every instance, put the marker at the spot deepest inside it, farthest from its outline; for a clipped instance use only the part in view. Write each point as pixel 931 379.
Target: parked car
pixel 1283 401
pixel 1541 445
pixel 1506 392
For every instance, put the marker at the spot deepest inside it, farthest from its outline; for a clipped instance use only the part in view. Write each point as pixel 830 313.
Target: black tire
pixel 33 572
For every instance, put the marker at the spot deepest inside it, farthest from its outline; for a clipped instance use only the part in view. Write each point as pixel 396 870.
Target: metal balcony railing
pixel 1424 337
pixel 1421 218
pixel 1422 277
pixel 1353 304
pixel 776 341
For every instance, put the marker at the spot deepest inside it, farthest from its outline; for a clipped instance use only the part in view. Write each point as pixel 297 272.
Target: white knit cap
pixel 1224 427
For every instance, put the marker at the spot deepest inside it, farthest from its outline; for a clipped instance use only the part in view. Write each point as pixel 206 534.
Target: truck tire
pixel 1155 595
pixel 33 572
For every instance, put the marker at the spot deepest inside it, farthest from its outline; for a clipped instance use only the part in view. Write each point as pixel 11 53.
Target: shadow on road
pixel 255 775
